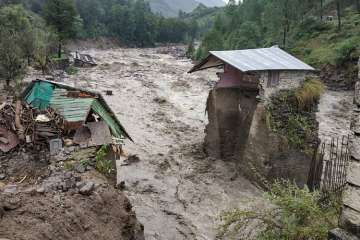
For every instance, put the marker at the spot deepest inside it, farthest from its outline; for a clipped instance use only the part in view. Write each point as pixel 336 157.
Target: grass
pixel 291 114
pixel 309 93
pixel 72 70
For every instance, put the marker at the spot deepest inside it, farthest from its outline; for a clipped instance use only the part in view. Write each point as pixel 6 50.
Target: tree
pixel 338 11
pixel 321 9
pixel 45 42
pixel 247 36
pixel 11 56
pixel 62 15
pixel 190 50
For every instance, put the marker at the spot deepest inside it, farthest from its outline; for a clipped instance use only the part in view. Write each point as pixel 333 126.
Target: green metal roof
pixel 72 109
pixel 39 95
pixel 42 94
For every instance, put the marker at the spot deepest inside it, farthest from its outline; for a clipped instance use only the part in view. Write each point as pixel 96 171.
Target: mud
pixel 41 199
pixel 177 192
pixel 32 216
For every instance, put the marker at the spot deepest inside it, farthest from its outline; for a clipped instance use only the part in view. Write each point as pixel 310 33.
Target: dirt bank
pixel 39 199
pixel 107 214
pixel 177 192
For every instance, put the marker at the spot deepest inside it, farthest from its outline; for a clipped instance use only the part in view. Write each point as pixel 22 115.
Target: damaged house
pixel 83 60
pixel 236 108
pixel 87 120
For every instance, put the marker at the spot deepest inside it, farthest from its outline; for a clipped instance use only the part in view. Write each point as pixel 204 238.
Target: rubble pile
pixel 176 51
pixel 34 128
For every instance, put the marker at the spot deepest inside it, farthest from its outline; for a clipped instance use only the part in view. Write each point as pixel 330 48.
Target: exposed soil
pixel 39 199
pixel 176 190
pixel 106 214
pixel 340 78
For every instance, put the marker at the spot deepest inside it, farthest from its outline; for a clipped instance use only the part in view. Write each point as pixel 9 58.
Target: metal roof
pixel 260 59
pixel 72 109
pixel 75 109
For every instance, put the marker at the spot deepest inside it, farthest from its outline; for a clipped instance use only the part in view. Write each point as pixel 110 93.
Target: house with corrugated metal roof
pixel 86 115
pixel 237 106
pixel 263 69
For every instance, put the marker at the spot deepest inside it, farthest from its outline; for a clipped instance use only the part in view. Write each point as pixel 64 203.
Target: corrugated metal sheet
pixel 75 106
pixel 115 128
pixel 72 109
pixel 39 95
pixel 260 59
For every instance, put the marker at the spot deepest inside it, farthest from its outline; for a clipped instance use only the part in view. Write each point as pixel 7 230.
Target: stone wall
pixel 350 217
pixel 287 80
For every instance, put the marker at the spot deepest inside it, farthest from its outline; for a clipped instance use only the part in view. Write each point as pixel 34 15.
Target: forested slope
pixel 323 33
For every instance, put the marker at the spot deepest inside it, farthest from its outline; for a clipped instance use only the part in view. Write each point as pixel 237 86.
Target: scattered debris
pixel 160 100
pixel 83 60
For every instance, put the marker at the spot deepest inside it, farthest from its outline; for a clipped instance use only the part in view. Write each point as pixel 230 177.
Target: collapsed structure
pixel 236 108
pixel 83 60
pixel 56 113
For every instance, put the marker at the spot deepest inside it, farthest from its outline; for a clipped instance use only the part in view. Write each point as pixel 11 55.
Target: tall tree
pixel 11 56
pixel 62 15
pixel 338 11
pixel 321 9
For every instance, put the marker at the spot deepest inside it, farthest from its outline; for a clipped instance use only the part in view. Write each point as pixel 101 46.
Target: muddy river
pixel 177 192
pixel 334 115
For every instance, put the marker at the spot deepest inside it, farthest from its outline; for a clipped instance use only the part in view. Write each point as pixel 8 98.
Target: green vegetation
pixel 309 93
pixel 292 114
pixel 22 37
pixel 298 26
pixel 61 15
pixel 103 165
pixel 295 213
pixel 72 70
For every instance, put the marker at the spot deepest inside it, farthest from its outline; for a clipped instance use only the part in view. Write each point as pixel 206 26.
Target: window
pixel 273 79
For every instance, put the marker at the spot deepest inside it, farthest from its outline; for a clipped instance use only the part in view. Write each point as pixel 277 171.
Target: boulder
pixel 87 189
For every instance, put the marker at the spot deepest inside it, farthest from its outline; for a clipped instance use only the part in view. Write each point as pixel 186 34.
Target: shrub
pixel 309 94
pixel 344 50
pixel 103 165
pixel 296 213
pixel 72 70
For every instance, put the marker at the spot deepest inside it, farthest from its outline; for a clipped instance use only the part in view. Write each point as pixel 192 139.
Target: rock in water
pixel 2 176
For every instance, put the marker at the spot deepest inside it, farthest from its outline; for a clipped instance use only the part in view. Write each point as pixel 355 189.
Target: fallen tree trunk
pixel 19 126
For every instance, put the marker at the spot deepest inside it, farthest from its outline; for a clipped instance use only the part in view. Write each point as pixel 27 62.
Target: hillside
pixel 312 33
pixel 171 8
pixel 212 3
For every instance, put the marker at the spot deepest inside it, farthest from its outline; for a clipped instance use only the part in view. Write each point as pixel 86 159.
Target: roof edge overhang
pixel 199 66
